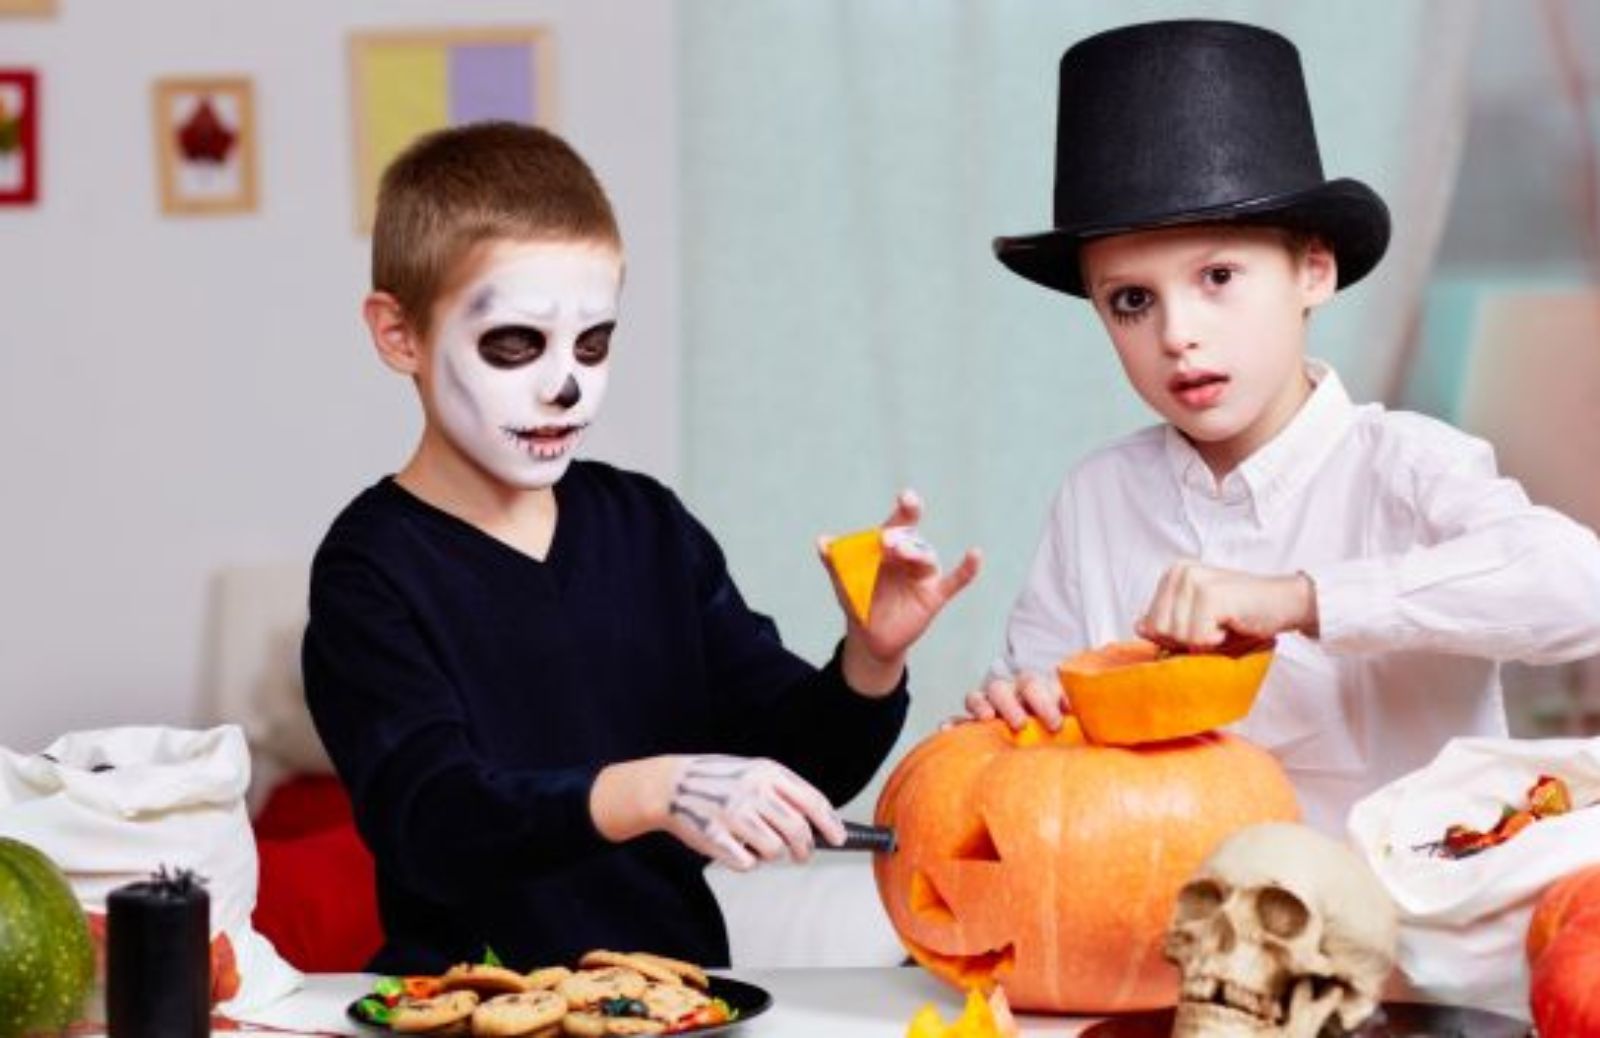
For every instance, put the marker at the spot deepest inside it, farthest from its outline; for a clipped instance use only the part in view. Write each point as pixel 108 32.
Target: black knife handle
pixel 860 837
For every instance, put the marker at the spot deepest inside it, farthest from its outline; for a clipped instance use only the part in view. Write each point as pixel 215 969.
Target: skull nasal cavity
pixel 1281 913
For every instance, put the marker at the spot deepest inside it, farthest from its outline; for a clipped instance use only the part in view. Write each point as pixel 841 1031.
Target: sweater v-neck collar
pixel 477 533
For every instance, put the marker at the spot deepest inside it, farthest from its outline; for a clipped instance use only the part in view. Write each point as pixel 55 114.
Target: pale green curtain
pixel 847 331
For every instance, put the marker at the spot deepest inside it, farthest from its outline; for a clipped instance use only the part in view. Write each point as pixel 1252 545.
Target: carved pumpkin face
pixel 1051 866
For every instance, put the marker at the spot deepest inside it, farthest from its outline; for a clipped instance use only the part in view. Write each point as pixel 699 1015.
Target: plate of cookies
pixel 606 993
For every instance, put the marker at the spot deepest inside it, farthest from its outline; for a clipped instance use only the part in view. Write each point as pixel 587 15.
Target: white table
pixel 806 1003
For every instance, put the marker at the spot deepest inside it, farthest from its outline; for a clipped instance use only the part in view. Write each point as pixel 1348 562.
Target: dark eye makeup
pixel 511 345
pixel 594 345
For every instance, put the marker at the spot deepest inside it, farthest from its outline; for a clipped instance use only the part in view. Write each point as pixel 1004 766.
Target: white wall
pixel 182 394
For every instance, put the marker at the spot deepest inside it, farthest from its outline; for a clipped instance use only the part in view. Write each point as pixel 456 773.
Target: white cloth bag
pixel 1463 921
pixel 111 807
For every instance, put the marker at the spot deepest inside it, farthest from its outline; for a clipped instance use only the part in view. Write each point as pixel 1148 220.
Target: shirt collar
pixel 1284 463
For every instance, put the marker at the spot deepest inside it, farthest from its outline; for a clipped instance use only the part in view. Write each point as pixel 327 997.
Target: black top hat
pixel 1183 122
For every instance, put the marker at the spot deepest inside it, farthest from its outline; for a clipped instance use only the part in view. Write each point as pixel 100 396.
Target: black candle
pixel 158 958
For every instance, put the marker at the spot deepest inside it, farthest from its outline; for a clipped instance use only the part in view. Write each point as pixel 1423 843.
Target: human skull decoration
pixel 1281 931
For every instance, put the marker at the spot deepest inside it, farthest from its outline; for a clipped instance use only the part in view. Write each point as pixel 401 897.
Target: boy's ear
pixel 398 344
pixel 1319 273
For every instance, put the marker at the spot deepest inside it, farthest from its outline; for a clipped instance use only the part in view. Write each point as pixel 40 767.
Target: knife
pixel 860 837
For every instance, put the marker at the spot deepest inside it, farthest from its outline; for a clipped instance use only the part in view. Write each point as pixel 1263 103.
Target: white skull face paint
pixel 519 366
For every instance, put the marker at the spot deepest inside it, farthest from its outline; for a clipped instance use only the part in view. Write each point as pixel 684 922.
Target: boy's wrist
pixel 866 674
pixel 631 798
pixel 1310 619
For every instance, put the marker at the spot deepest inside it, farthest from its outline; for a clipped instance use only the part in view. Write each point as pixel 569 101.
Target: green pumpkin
pixel 46 957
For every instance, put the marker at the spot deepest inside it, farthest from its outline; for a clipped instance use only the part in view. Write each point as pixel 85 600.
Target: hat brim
pixel 1346 213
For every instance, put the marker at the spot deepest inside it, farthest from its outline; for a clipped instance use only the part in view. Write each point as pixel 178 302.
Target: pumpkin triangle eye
pixel 927 901
pixel 978 845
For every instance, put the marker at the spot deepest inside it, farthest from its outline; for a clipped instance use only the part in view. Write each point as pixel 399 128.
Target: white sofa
pixel 824 913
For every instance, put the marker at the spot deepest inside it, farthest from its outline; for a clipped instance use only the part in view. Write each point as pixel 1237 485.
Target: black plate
pixel 746 1000
pixel 1397 1019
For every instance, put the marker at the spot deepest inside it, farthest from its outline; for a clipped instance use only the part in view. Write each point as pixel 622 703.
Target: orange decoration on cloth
pixel 1042 862
pixel 856 558
pixel 1132 692
pixel 1547 797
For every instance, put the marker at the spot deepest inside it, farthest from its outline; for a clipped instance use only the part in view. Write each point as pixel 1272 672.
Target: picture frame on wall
pixel 28 8
pixel 409 82
pixel 205 141
pixel 19 137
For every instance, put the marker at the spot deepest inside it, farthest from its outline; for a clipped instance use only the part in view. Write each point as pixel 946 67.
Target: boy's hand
pixel 741 810
pixel 1200 605
pixel 737 810
pixel 1015 701
pixel 910 592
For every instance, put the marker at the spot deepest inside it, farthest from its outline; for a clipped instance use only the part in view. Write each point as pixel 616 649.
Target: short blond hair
pixel 455 189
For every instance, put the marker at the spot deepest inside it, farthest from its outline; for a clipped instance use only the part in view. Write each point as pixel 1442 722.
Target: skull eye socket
pixel 1200 899
pixel 1281 913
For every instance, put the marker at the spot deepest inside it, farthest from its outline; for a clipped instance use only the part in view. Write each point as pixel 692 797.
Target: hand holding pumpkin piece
pixel 1196 605
pixel 890 587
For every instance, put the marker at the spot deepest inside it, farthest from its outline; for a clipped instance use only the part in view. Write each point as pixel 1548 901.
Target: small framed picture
pixel 405 84
pixel 35 8
pixel 19 136
pixel 206 144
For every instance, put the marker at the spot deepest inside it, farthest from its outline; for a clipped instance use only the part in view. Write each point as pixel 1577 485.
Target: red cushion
pixel 317 901
pixel 303 804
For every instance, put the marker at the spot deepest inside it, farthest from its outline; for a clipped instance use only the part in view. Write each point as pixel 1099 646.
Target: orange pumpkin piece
pixel 1050 865
pixel 980 1018
pixel 1127 693
pixel 856 558
pixel 1573 896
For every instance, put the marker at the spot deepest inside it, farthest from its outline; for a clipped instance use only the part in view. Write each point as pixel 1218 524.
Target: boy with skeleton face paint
pixel 534 674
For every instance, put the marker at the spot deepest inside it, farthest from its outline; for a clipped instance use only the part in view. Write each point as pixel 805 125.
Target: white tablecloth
pixel 806 1003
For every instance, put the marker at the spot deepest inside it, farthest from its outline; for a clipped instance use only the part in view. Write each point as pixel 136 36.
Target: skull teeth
pixel 1214 991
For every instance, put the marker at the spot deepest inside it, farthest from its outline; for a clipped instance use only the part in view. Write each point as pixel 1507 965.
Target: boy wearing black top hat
pixel 1392 563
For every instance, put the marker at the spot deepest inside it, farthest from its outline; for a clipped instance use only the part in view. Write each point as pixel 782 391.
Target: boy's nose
pixel 558 383
pixel 1177 332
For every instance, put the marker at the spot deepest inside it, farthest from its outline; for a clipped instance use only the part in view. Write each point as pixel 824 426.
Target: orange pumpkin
pixel 1573 896
pixel 1563 995
pixel 1132 692
pixel 1051 865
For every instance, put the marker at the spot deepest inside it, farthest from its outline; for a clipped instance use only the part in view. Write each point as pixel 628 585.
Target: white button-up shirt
pixel 1429 569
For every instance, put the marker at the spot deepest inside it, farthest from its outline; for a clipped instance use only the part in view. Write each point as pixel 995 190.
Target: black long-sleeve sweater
pixel 468 695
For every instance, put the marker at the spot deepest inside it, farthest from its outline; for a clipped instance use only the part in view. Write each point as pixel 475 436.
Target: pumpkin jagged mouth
pixel 968 970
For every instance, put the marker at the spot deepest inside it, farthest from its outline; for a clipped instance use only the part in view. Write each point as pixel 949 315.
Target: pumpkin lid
pixel 1132 692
